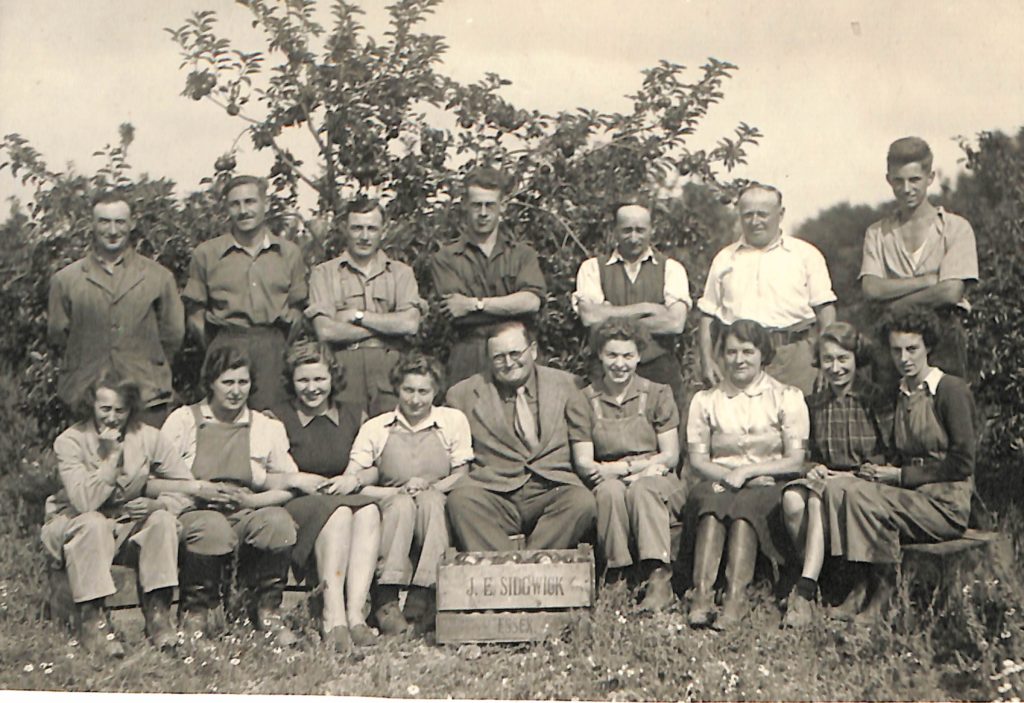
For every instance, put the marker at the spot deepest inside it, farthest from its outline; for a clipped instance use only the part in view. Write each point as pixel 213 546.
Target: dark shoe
pixel 95 634
pixel 848 609
pixel 416 603
pixel 734 609
pixel 265 574
pixel 363 636
pixel 799 612
pixel 390 620
pixel 339 639
pixel 702 609
pixel 156 608
pixel 427 621
pixel 658 594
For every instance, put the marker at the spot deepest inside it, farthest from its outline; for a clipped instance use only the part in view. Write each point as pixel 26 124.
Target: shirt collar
pixel 647 256
pixel 781 241
pixel 755 389
pixel 501 242
pixel 530 385
pixel 931 382
pixel 378 263
pixel 633 390
pixel 245 418
pixel 124 259
pixel 395 417
pixel 229 242
pixel 332 414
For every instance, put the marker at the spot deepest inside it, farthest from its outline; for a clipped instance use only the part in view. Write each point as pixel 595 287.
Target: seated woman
pixel 745 435
pixel 245 475
pixel 925 495
pixel 113 507
pixel 340 532
pixel 409 459
pixel 846 433
pixel 626 448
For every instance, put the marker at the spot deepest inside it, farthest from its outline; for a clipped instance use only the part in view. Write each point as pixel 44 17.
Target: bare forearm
pixel 878 288
pixel 402 323
pixel 196 324
pixel 944 293
pixel 334 332
pixel 521 303
pixel 593 314
pixel 825 315
pixel 379 491
pixel 707 469
pixel 789 465
pixel 448 482
pixel 270 497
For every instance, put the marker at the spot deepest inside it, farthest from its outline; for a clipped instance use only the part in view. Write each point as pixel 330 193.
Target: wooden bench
pixel 935 570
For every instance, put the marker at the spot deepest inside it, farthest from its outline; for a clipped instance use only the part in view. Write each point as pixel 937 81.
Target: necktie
pixel 525 423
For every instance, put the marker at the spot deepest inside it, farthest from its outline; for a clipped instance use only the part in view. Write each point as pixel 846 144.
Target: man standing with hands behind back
pixel 116 309
pixel 780 282
pixel 246 288
pixel 485 277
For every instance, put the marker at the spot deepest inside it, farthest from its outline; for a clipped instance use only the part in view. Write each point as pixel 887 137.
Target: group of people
pixel 331 454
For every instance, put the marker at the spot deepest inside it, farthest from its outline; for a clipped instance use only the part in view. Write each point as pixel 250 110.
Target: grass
pixel 966 647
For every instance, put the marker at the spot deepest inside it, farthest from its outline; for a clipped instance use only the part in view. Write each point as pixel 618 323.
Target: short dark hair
pixel 112 195
pixel 222 359
pixel 493 330
pixel 752 333
pixel 237 181
pixel 917 319
pixel 488 178
pixel 754 185
pixel 631 199
pixel 623 329
pixel 846 336
pixel 909 150
pixel 416 362
pixel 362 205
pixel 126 388
pixel 307 351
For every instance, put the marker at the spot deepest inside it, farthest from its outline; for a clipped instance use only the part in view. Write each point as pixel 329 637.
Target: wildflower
pixel 277 650
pixel 28 668
pixel 764 670
pixel 189 660
pixel 1004 635
pixel 70 655
pixel 1005 687
pixel 234 661
pixel 413 690
pixel 72 642
pixel 622 619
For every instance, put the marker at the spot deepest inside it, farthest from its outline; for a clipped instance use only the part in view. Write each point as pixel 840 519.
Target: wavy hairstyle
pixel 623 329
pixel 307 351
pixel 916 319
pixel 753 333
pixel 846 336
pixel 421 364
pixel 127 389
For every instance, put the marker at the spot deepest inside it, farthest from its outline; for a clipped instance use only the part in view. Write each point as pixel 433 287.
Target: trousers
pixel 638 516
pixel 90 543
pixel 413 529
pixel 211 533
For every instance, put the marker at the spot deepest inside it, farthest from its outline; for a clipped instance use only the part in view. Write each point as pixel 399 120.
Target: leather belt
pixel 787 336
pixel 370 343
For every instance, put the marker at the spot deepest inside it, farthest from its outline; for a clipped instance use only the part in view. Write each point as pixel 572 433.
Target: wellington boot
pixel 267 575
pixel 658 594
pixel 156 608
pixel 707 558
pixel 739 572
pixel 95 633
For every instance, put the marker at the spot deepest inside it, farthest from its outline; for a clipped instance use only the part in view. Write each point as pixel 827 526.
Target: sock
pixel 806 588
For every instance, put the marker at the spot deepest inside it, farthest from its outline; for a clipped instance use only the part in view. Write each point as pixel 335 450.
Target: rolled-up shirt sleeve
pixel 698 425
pixel 457 437
pixel 960 261
pixel 588 285
pixel 794 419
pixel 369 443
pixel 819 282
pixel 872 259
pixel 321 297
pixel 677 284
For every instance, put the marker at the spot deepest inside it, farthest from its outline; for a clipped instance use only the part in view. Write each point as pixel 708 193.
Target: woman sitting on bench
pixel 744 436
pixel 626 447
pixel 925 495
pixel 114 471
pixel 846 433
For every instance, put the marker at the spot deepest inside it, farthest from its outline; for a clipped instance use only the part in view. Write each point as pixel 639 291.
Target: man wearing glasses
pixel 522 479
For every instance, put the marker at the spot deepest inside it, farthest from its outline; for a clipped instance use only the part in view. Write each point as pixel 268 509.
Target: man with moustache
pixel 485 277
pixel 366 307
pixel 114 308
pixel 522 478
pixel 920 254
pixel 778 281
pixel 639 283
pixel 247 288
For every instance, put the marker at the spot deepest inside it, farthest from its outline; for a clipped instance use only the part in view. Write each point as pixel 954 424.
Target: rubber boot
pixel 884 578
pixel 95 634
pixel 707 557
pixel 201 584
pixel 658 594
pixel 386 612
pixel 854 601
pixel 156 609
pixel 739 572
pixel 265 574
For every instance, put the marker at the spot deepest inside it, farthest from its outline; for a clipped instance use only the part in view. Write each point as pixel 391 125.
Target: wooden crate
pixel 514 596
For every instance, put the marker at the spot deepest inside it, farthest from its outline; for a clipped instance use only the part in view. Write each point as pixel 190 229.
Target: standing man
pixel 116 309
pixel 780 282
pixel 638 283
pixel 247 288
pixel 522 479
pixel 485 277
pixel 366 307
pixel 920 255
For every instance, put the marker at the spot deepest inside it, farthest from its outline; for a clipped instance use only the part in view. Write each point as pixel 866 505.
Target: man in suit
pixel 522 479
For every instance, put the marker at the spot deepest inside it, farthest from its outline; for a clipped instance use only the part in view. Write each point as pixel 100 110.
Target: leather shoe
pixel 390 620
pixel 362 635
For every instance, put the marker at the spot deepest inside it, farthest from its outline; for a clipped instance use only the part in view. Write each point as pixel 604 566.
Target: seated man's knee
pixel 269 528
pixel 162 520
pixel 610 489
pixel 207 532
pixel 581 501
pixel 89 522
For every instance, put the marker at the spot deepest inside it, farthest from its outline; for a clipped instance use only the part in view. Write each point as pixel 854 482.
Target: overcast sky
pixel 830 84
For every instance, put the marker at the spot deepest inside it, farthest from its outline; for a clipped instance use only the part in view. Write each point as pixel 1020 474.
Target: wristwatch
pixel 357 318
pixel 478 304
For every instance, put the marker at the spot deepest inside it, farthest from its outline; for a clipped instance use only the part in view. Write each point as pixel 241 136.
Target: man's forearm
pixel 521 303
pixel 405 323
pixel 948 292
pixel 882 289
pixel 335 332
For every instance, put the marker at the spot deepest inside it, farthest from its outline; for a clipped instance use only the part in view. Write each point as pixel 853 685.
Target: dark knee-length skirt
pixel 758 505
pixel 311 513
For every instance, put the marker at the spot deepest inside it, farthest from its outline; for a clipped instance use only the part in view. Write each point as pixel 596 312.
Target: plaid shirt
pixel 845 432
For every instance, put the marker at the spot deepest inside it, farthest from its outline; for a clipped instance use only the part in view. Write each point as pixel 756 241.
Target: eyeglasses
pixel 509 358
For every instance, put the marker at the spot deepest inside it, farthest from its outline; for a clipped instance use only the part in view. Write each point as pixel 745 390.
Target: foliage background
pixel 387 121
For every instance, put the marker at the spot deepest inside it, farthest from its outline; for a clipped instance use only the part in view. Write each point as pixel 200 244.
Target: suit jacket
pixel 503 463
